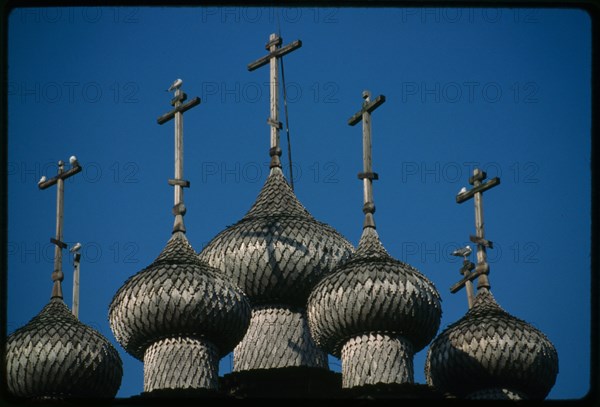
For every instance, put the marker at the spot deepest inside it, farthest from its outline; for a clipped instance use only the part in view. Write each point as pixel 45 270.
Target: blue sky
pixel 505 90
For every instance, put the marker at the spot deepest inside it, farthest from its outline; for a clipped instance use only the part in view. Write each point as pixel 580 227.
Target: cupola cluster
pixel 282 291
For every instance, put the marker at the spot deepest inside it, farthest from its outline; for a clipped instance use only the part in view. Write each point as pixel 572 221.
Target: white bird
pixel 462 190
pixel 464 252
pixel 73 160
pixel 76 247
pixel 43 179
pixel 176 85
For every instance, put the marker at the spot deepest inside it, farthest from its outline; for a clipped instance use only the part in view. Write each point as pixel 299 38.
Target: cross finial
pixel 178 182
pixel 482 269
pixel 59 180
pixel 367 175
pixel 275 52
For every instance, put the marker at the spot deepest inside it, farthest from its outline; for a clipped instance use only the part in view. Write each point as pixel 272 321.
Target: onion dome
pixel 373 292
pixel 491 354
pixel 57 356
pixel 179 315
pixel 178 295
pixel 373 311
pixel 277 252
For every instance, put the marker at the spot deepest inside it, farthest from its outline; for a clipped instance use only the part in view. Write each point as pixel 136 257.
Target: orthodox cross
pixel 59 181
pixel 178 182
pixel 367 175
pixel 275 52
pixel 482 269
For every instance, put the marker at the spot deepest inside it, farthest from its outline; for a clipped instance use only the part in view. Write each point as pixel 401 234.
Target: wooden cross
pixel 178 182
pixel 367 175
pixel 469 276
pixel 483 268
pixel 59 181
pixel 275 52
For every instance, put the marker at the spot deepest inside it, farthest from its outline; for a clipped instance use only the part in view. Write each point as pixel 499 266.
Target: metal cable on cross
pixel 287 125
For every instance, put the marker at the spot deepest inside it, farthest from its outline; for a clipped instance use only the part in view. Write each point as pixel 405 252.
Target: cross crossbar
pixel 179 109
pixel 278 53
pixel 469 277
pixel 63 176
pixel 368 107
pixel 465 196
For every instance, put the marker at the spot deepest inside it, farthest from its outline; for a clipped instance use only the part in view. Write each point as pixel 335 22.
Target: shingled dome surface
pixel 373 292
pixel 491 349
pixel 178 295
pixel 277 252
pixel 57 356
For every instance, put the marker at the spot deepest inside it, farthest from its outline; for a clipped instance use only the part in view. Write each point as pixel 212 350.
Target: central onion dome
pixel 276 254
pixel 490 354
pixel 179 316
pixel 55 356
pixel 278 251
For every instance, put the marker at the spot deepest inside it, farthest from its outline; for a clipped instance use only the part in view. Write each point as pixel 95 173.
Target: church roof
pixel 178 295
pixel 57 356
pixel 277 252
pixel 489 348
pixel 373 292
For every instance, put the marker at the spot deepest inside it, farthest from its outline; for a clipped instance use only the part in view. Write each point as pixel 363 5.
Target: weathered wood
pixel 63 175
pixel 179 209
pixel 76 263
pixel 182 97
pixel 180 182
pixel 367 175
pixel 274 98
pixel 59 181
pixel 179 109
pixel 477 193
pixel 272 123
pixel 275 53
pixel 469 277
pixel 368 107
pixel 483 267
pixel 478 175
pixel 58 243
pixel 465 196
pixel 481 241
pixel 276 40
